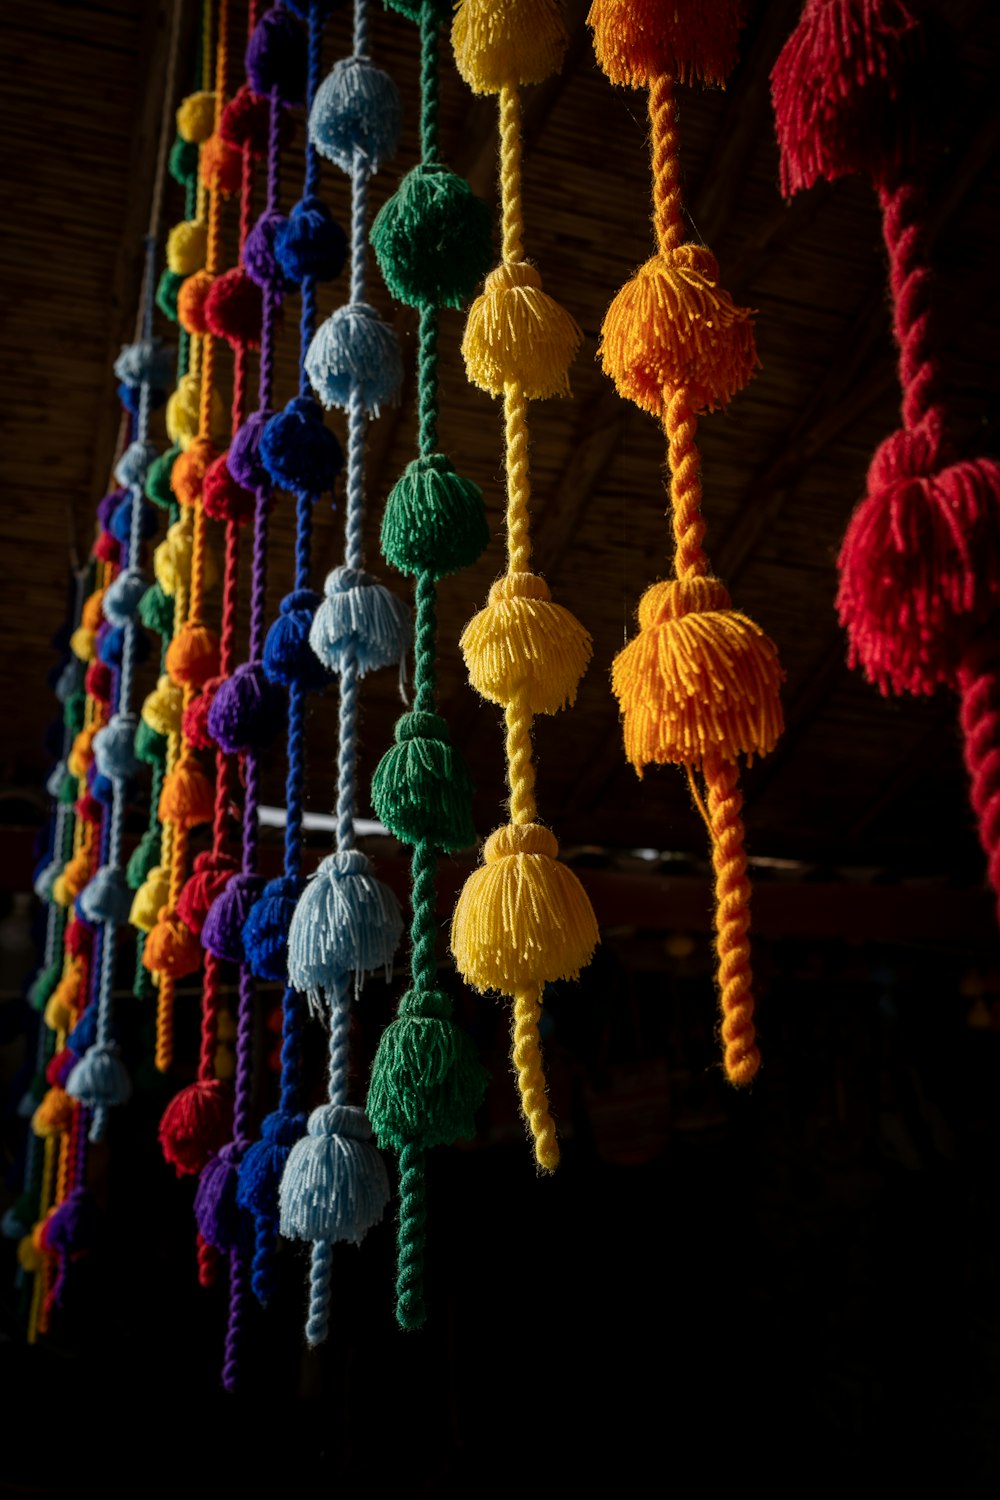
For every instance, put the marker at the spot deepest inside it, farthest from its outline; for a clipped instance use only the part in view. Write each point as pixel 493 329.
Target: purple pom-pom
pixel 222 934
pixel 299 451
pixel 244 459
pixel 221 1222
pixel 310 243
pixel 259 256
pixel 288 656
pixel 247 710
pixel 73 1225
pixel 276 56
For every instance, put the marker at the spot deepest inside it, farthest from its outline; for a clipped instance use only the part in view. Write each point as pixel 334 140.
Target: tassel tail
pixel 527 1058
pixel 732 919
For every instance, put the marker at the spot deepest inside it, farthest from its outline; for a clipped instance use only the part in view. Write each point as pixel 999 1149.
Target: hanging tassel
pixel 345 921
pixel 523 643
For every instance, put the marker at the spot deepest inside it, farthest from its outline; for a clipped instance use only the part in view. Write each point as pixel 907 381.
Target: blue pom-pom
pixel 357 110
pixel 362 616
pixel 99 1079
pixel 244 460
pixel 288 656
pixel 121 521
pixel 102 789
pixel 310 243
pixel 131 467
pixel 70 679
pixel 107 897
pixel 276 56
pixel 354 349
pixel 222 933
pixel 112 646
pixel 259 255
pixel 147 360
pixel 346 922
pixel 264 1163
pixel 84 1033
pixel 247 710
pixel 114 748
pixel 265 931
pixel 221 1222
pixel 121 598
pixel 335 1186
pixel 299 451
pixel 130 397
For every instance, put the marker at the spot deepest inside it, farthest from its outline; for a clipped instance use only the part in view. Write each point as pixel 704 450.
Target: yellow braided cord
pixel 527 1059
pixel 515 406
pixel 520 764
pixel 512 210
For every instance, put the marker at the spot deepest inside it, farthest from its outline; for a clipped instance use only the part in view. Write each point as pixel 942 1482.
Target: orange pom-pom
pixel 671 328
pixel 187 474
pixel 220 167
pixel 186 798
pixel 692 40
pixel 92 613
pixel 82 752
pixel 191 302
pixel 193 654
pixel 171 948
pixel 54 1115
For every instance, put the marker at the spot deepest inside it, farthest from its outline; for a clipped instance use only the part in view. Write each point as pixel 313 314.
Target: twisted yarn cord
pixel 515 406
pixel 239 1286
pixel 520 761
pixel 411 1236
pixel 348 749
pixel 430 46
pixel 512 208
pixel 911 284
pixel 427 380
pixel 360 28
pixel 732 917
pixel 423 931
pixel 668 206
pixel 321 1259
pixel 320 1272
pixel 209 1018
pixel 214 236
pixel 527 1059
pixel 680 425
pixel 425 645
pixel 979 686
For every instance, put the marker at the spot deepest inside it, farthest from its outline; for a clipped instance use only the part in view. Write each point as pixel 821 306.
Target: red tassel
pixel 246 121
pixel 196 1124
pixel 235 309
pixel 171 948
pixel 194 720
pixel 97 681
pixel 186 798
pixel 979 685
pixel 106 548
pixel 88 809
pixel 223 498
pixel 79 939
pixel 212 873
pixel 193 654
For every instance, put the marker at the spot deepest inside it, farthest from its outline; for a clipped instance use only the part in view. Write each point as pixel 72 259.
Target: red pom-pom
pixel 919 564
pixel 189 468
pixel 171 948
pixel 220 166
pixel 194 720
pixel 196 1124
pixel 235 309
pixel 193 654
pixel 56 1069
pixel 191 300
pixel 186 798
pixel 212 873
pixel 246 121
pixel 88 809
pixel 223 498
pixel 79 939
pixel 97 681
pixel 106 549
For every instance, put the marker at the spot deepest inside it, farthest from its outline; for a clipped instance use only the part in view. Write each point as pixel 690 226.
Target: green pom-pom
pixel 427 1081
pixel 69 789
pixel 422 788
pixel 144 858
pixel 75 712
pixel 433 238
pixel 167 288
pixel 158 477
pixel 184 161
pixel 149 746
pixel 156 610
pixel 434 520
pixel 43 985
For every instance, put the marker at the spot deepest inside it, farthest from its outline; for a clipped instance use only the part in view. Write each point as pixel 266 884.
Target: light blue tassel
pixel 361 616
pixel 99 1079
pixel 70 680
pixel 147 361
pixel 114 748
pixel 121 598
pixel 134 462
pixel 56 778
pixel 354 350
pixel 346 921
pixel 335 1186
pixel 357 110
pixel 106 898
pixel 46 879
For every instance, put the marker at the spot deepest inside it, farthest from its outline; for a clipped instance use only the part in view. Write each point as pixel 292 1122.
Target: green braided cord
pixel 430 38
pixel 411 1236
pixel 427 380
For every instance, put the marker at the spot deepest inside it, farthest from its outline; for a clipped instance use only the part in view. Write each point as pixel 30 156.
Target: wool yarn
pixel 522 918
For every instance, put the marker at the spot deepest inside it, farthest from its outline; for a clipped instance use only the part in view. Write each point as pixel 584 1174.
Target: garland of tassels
pixel 919 567
pixel 699 685
pixel 523 919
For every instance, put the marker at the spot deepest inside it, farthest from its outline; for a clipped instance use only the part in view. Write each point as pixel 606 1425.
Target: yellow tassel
pixel 516 334
pixel 58 1016
pixel 524 643
pixel 83 643
pixel 672 327
pixel 698 678
pixel 172 559
pixel 522 919
pixel 162 708
pixel 65 998
pixel 54 1115
pixel 507 42
pixel 29 1257
pixel 183 409
pixel 149 899
pixel 187 247
pixel 82 751
pixel 196 117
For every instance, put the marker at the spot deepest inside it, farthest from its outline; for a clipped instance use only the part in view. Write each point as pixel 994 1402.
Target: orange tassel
pixel 693 40
pixel 191 306
pixel 186 799
pixel 92 614
pixel 171 948
pixel 193 655
pixel 187 475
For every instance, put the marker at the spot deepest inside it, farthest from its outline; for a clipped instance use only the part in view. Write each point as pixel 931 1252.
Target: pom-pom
pixel 298 451
pixel 43 985
pixel 107 898
pixel 220 166
pixel 433 238
pixel 144 859
pixel 234 309
pixel 522 644
pixel 259 252
pixel 310 243
pixel 131 467
pixel 422 788
pixel 288 656
pixel 157 610
pixel 72 1225
pixel 674 328
pixel 522 919
pixel 196 116
pixel 434 520
pixel 183 161
pixel 919 564
pixel 58 1016
pixel 121 522
pixel 359 619
pixel 222 498
pixel 150 747
pixel 82 751
pixel 79 939
pixel 427 1081
pixel 171 948
pixel 167 291
pixel 188 474
pixel 222 932
pixel 247 710
pixel 186 799
pixel 54 1114
pixel 106 549
pixel 122 596
pixel 83 643
pixel 353 350
pixel 196 1124
pixel 68 682
pixel 187 246
pixel 216 1212
pixel 111 647
pixel 102 788
pixel 193 654
pixel 184 411
pixel 517 334
pixel 265 932
pixel 637 40
pixel 346 922
pixel 191 300
pixel 114 748
pixel 356 112
pixel 276 56
pixel 99 1078
pixel 698 679
pixel 161 709
pixel 519 42
pixel 74 713
pixel 46 878
pixel 150 899
pixel 158 477
pixel 194 720
pixel 146 362
pixel 84 1033
pixel 335 1185
pixel 246 122
pixel 98 682
pixel 211 874
pixel 263 1165
pixel 244 460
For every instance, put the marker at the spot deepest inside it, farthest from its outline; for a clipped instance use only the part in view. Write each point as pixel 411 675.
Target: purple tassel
pixel 217 1213
pixel 247 710
pixel 276 56
pixel 222 933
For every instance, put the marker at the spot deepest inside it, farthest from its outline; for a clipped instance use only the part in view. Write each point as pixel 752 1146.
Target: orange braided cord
pixel 732 918
pixel 680 425
pixel 527 1058
pixel 668 215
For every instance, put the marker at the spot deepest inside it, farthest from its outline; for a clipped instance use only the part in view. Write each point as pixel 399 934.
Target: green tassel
pixel 43 985
pixel 166 292
pixel 427 1081
pixel 434 520
pixel 422 788
pixel 183 163
pixel 433 238
pixel 150 746
pixel 145 857
pixel 158 477
pixel 156 610
pixel 75 712
pixel 68 789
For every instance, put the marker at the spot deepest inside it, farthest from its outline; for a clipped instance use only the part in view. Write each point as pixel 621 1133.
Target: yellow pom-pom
pixel 517 334
pixel 173 557
pixel 58 1016
pixel 65 998
pixel 636 40
pixel 82 751
pixel 699 678
pixel 672 327
pixel 522 643
pixel 29 1257
pixel 187 247
pixel 61 894
pixel 54 1115
pixel 196 117
pixel 83 643
pixel 162 708
pixel 150 899
pixel 183 414
pixel 522 918
pixel 499 43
